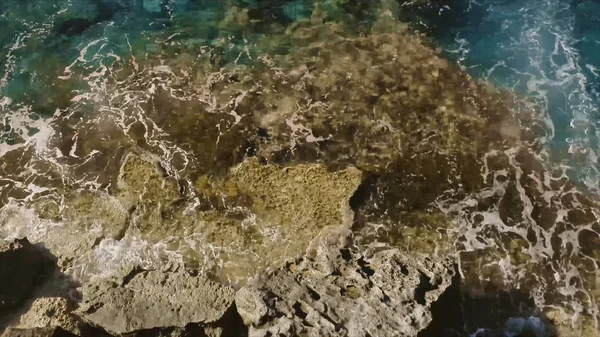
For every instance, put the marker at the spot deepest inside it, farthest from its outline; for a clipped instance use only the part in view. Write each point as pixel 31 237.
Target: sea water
pixel 59 60
pixel 546 51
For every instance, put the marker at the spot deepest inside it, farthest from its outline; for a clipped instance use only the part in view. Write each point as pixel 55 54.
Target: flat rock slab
pixel 153 299
pixel 21 267
pixel 339 293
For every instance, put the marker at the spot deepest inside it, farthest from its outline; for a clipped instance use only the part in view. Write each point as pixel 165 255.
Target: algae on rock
pixel 257 217
pixel 289 207
pixel 298 197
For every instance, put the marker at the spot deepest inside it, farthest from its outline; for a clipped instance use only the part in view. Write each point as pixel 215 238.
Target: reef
pixel 290 182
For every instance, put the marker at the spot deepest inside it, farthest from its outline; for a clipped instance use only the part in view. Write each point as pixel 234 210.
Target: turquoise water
pixel 545 50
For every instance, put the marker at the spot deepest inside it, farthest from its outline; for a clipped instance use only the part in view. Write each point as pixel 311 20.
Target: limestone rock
pixel 49 312
pixel 250 305
pixel 21 267
pixel 153 299
pixel 339 293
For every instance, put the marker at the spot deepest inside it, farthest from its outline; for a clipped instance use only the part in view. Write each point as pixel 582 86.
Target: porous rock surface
pixel 53 312
pixel 339 293
pixel 153 299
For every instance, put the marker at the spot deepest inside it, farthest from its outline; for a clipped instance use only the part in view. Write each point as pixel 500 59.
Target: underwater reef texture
pixel 238 160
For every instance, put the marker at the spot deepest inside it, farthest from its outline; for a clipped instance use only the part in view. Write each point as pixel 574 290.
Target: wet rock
pixel 147 300
pixel 301 200
pixel 340 293
pixel 86 218
pixel 258 216
pixel 142 179
pixel 289 208
pixel 417 233
pixel 570 325
pixel 22 266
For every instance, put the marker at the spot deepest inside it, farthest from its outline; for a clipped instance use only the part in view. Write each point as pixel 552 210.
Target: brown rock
pixel 49 312
pixel 153 299
pixel 340 293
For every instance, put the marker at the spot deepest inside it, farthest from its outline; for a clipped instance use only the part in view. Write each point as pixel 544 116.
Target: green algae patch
pixel 300 196
pixel 232 228
pixel 141 176
pixel 95 211
pixel 146 192
pixel 290 208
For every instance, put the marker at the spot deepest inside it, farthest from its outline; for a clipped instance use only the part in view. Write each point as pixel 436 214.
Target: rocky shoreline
pixel 335 292
pixel 332 291
pixel 357 184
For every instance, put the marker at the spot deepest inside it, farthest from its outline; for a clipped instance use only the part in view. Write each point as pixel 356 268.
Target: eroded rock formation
pixel 146 300
pixel 339 293
pixel 332 291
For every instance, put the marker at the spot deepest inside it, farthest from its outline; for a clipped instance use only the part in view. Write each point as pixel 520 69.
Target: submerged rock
pixel 318 102
pixel 256 217
pixel 568 325
pixel 22 267
pixel 340 293
pixel 152 299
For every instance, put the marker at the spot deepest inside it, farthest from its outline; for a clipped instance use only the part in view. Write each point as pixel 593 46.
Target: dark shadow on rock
pixel 230 325
pixel 22 268
pixel 33 274
pixel 490 312
pixel 39 332
pixel 447 316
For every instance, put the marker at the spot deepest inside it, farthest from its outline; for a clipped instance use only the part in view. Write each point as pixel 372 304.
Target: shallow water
pixel 191 89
